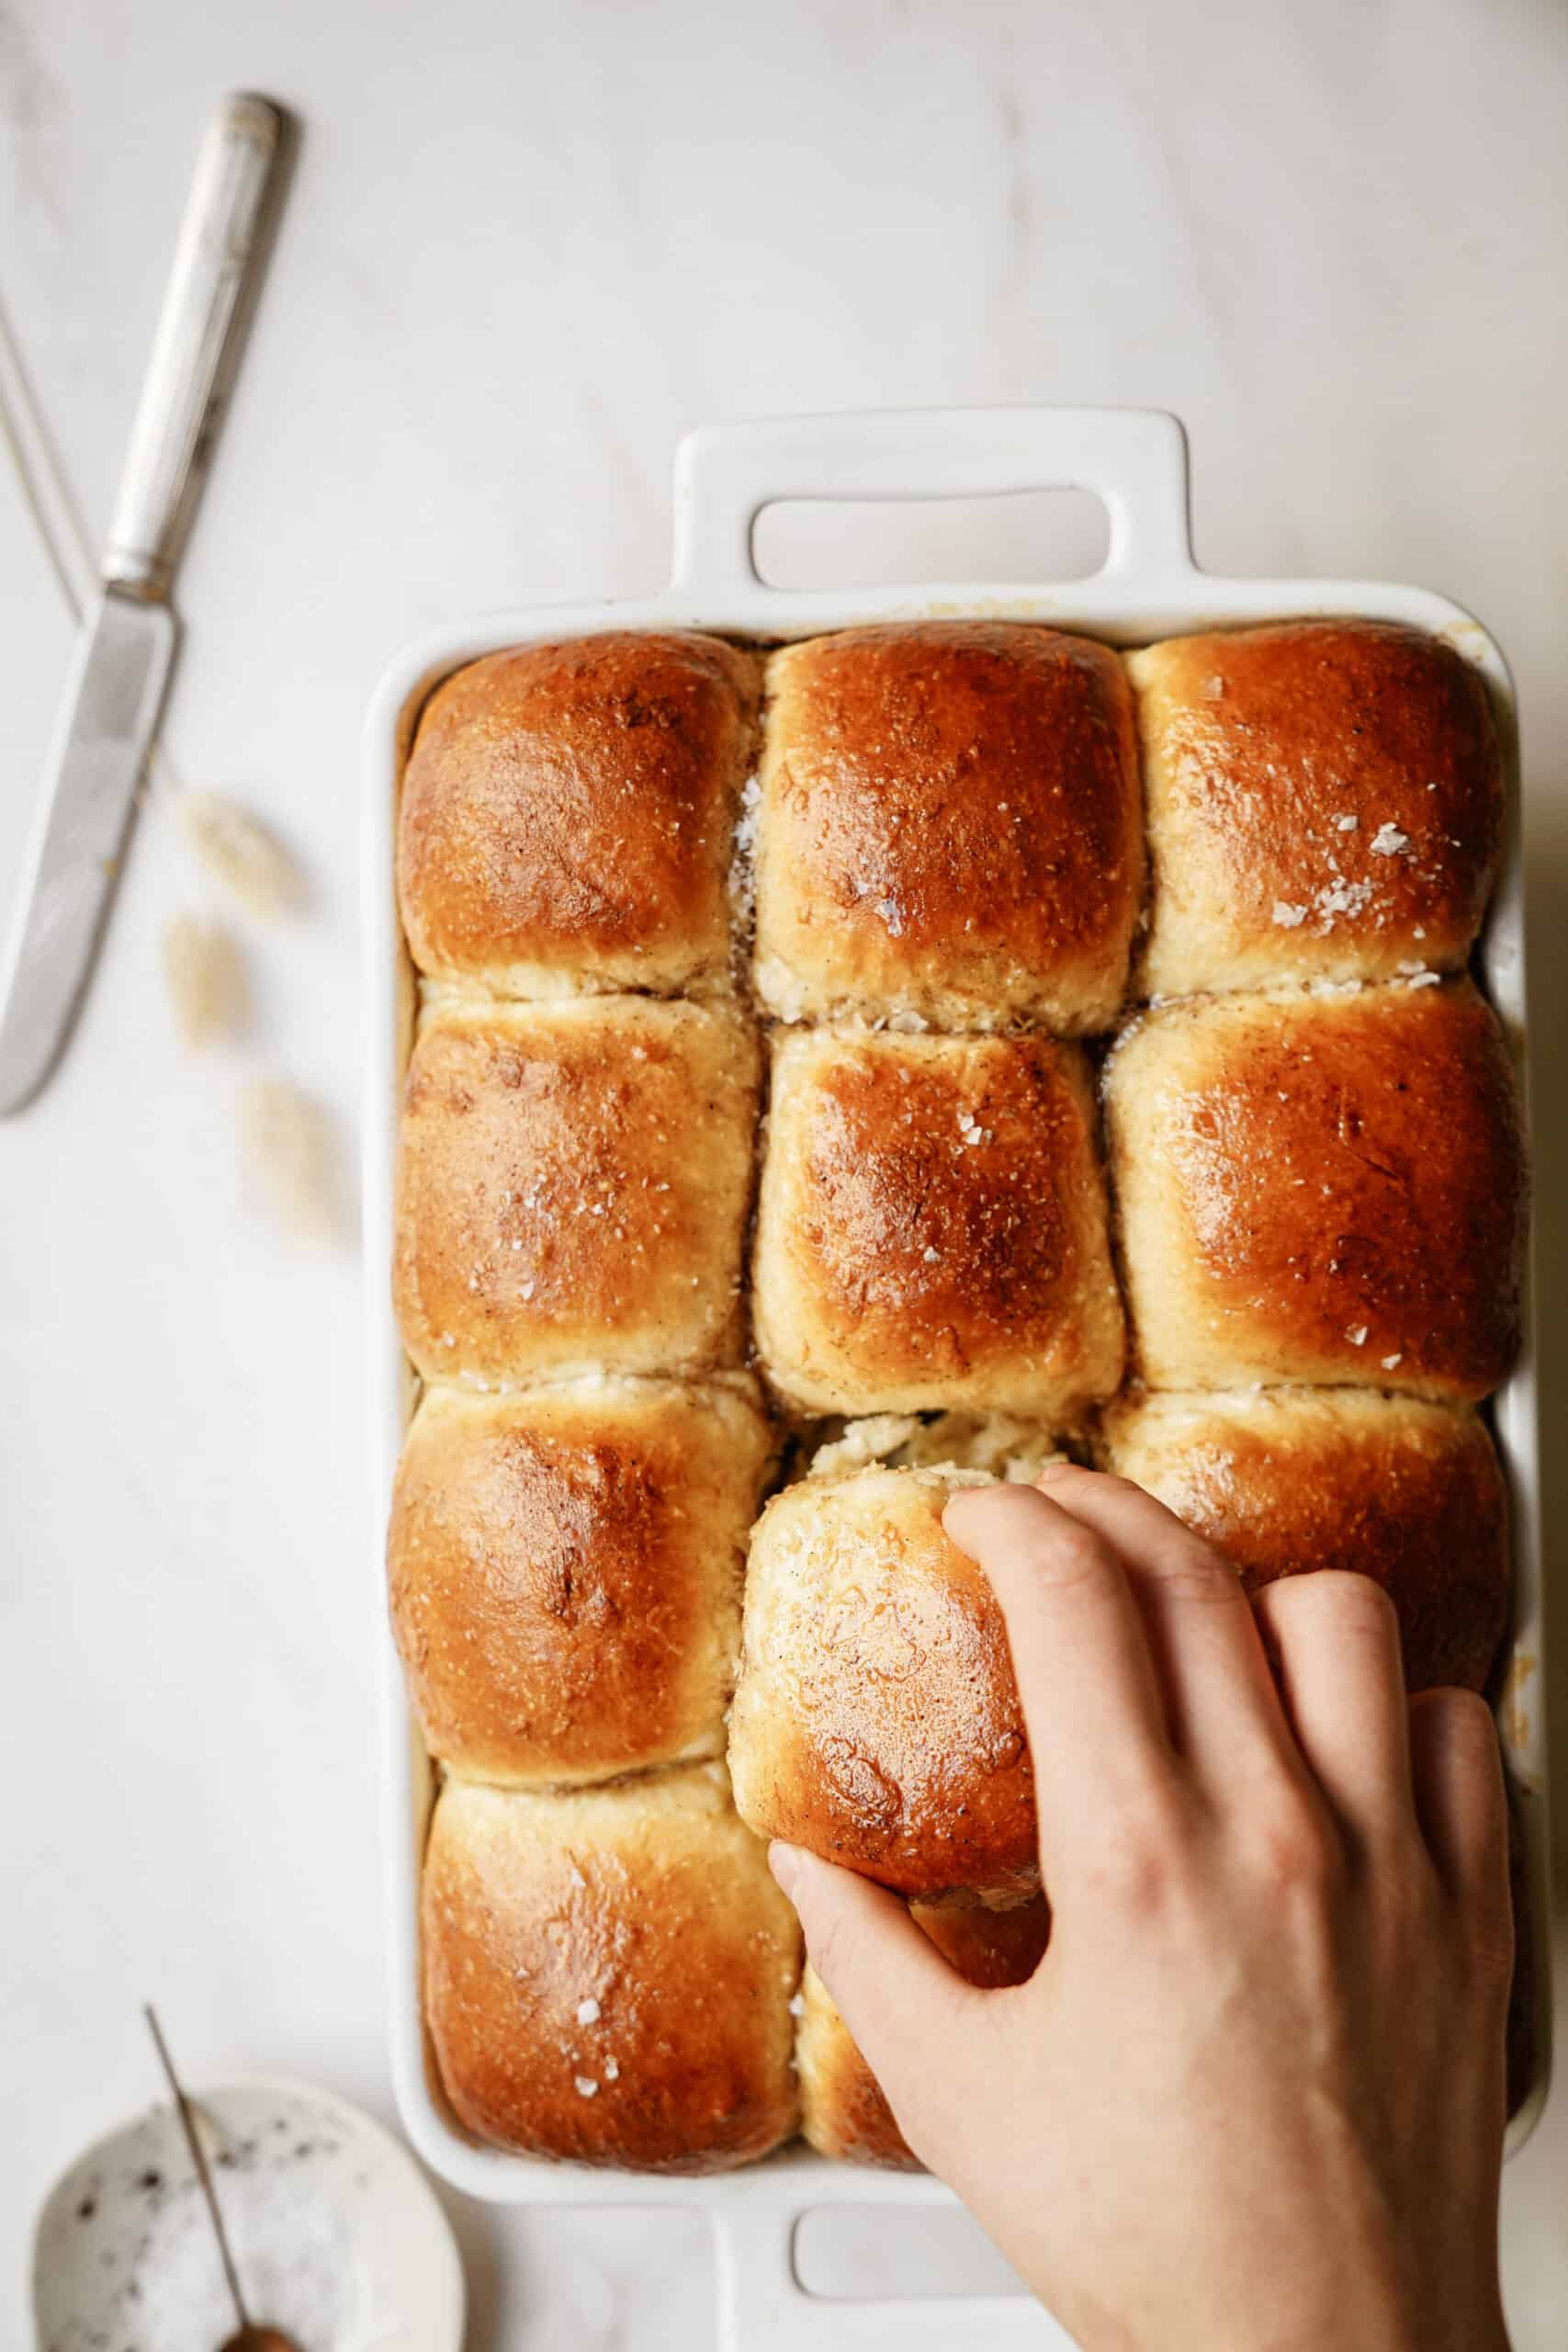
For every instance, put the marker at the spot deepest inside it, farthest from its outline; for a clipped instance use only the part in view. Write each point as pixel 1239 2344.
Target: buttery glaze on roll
pixel 565 1574
pixel 573 1182
pixel 1324 801
pixel 931 1228
pixel 876 1720
pixel 1404 1491
pixel 1321 1188
pixel 608 1974
pixel 949 828
pixel 567 815
pixel 843 2112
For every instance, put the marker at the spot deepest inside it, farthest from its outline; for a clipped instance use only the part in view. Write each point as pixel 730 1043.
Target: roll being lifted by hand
pixel 876 1720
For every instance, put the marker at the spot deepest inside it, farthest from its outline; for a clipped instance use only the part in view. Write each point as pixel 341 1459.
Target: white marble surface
pixel 527 246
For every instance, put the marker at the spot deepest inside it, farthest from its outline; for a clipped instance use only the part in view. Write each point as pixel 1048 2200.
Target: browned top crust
pixel 1404 1491
pixel 608 1974
pixel 877 1720
pixel 1322 1189
pixel 565 1573
pixel 950 824
pixel 568 811
pixel 933 1228
pixel 1324 801
pixel 572 1188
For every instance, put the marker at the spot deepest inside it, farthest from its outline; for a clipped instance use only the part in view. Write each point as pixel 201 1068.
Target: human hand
pixel 1254 2096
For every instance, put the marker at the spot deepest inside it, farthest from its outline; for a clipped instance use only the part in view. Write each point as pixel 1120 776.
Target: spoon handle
pixel 199 2158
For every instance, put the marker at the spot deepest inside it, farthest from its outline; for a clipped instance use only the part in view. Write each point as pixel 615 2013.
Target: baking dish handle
pixel 763 2308
pixel 1135 460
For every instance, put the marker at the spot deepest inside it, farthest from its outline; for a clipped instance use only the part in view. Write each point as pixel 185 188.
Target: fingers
pixel 1335 1641
pixel 1091 1703
pixel 896 1993
pixel 1221 1702
pixel 1457 1772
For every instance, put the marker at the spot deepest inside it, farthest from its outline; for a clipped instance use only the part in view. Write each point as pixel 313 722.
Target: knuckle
pixel 1203 1577
pixel 1409 1904
pixel 1067 1556
pixel 1139 1870
pixel 1490 1944
pixel 1112 1482
pixel 1462 1719
pixel 1350 1603
pixel 1293 1846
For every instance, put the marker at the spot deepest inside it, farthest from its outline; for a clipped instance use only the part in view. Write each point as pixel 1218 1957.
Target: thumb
pixel 891 1985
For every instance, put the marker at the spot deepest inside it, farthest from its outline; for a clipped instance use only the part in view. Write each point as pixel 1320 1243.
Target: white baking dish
pixel 1149 587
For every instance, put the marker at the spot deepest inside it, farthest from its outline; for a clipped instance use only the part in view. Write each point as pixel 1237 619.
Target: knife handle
pixel 196 345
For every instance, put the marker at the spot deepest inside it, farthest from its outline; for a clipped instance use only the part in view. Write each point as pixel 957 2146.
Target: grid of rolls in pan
pixel 844 1072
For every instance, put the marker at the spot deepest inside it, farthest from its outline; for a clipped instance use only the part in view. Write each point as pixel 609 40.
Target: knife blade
pixel 126 645
pixel 122 667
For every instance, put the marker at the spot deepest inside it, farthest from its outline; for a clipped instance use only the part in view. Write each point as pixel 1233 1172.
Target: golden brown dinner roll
pixel 876 1721
pixel 931 1228
pixel 565 1573
pixel 1395 1488
pixel 608 1973
pixel 1325 802
pixel 573 1185
pixel 567 812
pixel 949 828
pixel 1321 1188
pixel 842 2110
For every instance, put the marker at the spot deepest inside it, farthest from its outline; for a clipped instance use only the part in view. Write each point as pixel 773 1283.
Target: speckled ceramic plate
pixel 336 2236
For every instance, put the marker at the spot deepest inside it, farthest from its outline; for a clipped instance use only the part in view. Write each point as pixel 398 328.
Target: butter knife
pixel 127 644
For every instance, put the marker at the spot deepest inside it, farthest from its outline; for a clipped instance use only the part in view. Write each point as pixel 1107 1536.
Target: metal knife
pixel 127 638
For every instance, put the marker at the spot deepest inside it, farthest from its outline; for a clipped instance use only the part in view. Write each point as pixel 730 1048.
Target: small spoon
pixel 248 2337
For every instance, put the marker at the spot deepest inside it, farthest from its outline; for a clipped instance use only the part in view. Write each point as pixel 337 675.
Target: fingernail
pixel 785 1863
pixel 1054 1470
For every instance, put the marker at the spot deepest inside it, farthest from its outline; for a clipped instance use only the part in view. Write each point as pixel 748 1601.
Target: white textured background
pixel 526 247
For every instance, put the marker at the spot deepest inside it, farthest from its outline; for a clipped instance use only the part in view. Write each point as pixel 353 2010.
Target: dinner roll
pixel 876 1721
pixel 1399 1489
pixel 931 1227
pixel 573 1184
pixel 568 814
pixel 1325 802
pixel 565 1573
pixel 949 828
pixel 842 2110
pixel 1321 1188
pixel 608 1974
